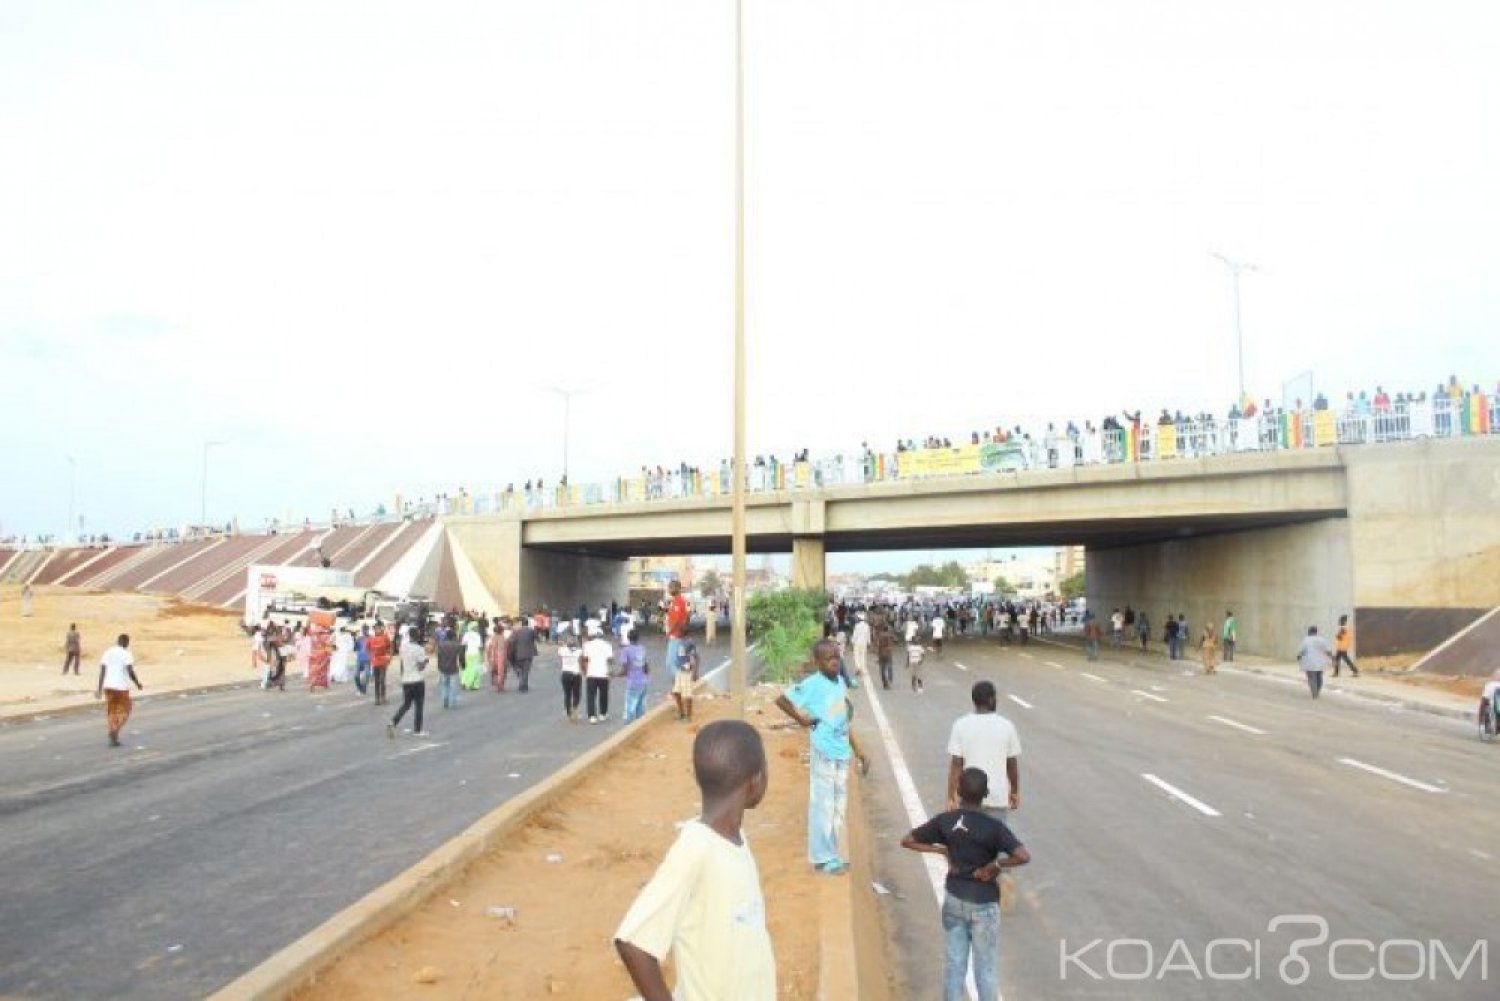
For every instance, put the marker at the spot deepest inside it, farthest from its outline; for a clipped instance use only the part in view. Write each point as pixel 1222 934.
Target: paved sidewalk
pixel 1383 688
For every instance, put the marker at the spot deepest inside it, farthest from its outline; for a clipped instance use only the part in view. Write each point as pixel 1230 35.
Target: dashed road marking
pixel 1027 655
pixel 1239 726
pixel 418 749
pixel 1486 856
pixel 1178 794
pixel 1148 695
pixel 1020 701
pixel 1091 677
pixel 1053 664
pixel 959 666
pixel 1393 776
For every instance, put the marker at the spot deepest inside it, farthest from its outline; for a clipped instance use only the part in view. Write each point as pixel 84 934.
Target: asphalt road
pixel 233 822
pixel 1297 824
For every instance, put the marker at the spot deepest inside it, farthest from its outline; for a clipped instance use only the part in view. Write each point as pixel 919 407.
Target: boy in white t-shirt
pixel 914 654
pixel 704 904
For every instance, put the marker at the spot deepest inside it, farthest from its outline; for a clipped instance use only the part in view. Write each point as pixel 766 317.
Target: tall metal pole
pixel 72 498
pixel 1236 268
pixel 737 647
pixel 567 398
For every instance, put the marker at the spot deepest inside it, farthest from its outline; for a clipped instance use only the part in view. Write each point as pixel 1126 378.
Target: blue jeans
pixel 362 676
pixel 827 802
pixel 971 928
pixel 448 688
pixel 673 646
pixel 635 702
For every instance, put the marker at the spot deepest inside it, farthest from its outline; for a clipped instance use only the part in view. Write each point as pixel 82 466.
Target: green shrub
pixel 785 625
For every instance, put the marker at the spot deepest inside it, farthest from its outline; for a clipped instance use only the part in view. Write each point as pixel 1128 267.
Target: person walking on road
pixel 1116 627
pixel 597 655
pixel 939 627
pixel 711 623
pixel 637 674
pixel 1093 632
pixel 450 655
pixel 685 680
pixel 72 649
pixel 1143 630
pixel 473 659
pixel 1230 636
pixel 988 741
pixel 1314 656
pixel 522 651
pixel 413 659
pixel 379 647
pixel 1343 644
pixel 116 673
pixel 570 658
pixel 495 653
pixel 859 639
pixel 885 652
pixel 978 847
pixel 820 702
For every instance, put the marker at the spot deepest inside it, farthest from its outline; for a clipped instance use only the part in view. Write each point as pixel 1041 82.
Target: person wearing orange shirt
pixel 380 659
pixel 1343 646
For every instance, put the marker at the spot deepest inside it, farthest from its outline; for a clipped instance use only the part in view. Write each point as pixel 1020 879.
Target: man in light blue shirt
pixel 821 702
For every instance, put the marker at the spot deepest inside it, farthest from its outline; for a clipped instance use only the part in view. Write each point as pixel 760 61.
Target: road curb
pixel 1451 712
pixel 297 965
pixel 841 975
pixel 78 708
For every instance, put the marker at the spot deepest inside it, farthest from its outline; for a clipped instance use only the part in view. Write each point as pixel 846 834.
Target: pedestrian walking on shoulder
pixel 72 649
pixel 413 658
pixel 978 846
pixel 704 905
pixel 1208 646
pixel 1314 656
pixel 1230 636
pixel 1343 645
pixel 820 702
pixel 685 680
pixel 637 674
pixel 116 674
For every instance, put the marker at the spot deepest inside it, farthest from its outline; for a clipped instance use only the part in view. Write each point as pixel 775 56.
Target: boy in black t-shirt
pixel 977 846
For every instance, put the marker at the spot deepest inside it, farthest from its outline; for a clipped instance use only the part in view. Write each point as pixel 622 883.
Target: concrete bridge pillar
pixel 522 578
pixel 809 563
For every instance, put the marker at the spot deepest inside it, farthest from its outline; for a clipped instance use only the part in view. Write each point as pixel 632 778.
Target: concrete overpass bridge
pixel 1404 535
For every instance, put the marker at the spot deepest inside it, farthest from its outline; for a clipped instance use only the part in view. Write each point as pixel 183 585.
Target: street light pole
pixel 567 398
pixel 203 493
pixel 1237 268
pixel 737 646
pixel 72 497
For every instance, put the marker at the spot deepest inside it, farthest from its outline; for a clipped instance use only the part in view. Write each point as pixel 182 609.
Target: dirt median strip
pixel 298 965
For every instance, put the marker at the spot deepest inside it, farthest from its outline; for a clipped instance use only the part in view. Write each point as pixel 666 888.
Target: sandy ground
pixel 611 832
pixel 176 645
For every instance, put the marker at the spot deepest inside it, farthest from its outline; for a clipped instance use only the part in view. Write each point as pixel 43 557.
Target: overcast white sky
pixel 356 240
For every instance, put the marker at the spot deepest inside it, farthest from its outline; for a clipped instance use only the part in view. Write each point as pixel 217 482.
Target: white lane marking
pixel 959 666
pixel 1393 776
pixel 1238 726
pixel 1486 856
pixel 1027 656
pixel 1148 695
pixel 1176 793
pixel 417 750
pixel 1091 677
pixel 1019 701
pixel 1053 664
pixel 906 786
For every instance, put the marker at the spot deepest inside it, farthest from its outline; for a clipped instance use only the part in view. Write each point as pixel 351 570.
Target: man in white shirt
pixel 597 655
pixel 988 741
pixel 116 672
pixel 939 626
pixel 860 639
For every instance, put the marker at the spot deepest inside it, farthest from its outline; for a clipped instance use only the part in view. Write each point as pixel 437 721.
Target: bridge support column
pixel 809 566
pixel 523 578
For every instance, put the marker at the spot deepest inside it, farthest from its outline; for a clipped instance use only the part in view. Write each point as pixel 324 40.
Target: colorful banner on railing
pixel 989 457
